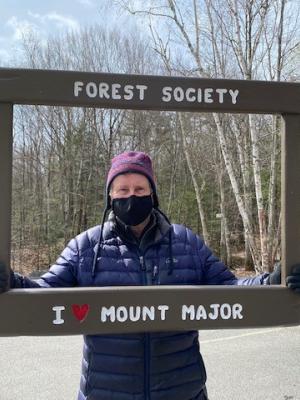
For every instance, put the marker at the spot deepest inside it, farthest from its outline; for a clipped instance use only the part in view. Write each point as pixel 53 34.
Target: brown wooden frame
pixel 30 311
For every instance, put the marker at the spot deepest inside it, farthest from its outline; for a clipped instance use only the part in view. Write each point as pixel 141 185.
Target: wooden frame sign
pixel 158 308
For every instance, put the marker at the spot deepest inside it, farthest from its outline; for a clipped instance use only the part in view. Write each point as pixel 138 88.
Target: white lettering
pixel 141 89
pixel 134 313
pixel 115 91
pixel 178 94
pixel 215 313
pixel 91 89
pixel 188 94
pixel 207 95
pixel 201 313
pixel 122 314
pixel 188 311
pixel 163 310
pixel 234 95
pixel 108 313
pixel 221 93
pixel 128 90
pixel 199 95
pixel 103 90
pixel 77 88
pixel 237 311
pixel 225 311
pixel 148 312
pixel 167 94
pixel 58 319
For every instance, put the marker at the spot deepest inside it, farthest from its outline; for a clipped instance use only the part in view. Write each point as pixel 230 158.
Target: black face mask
pixel 132 210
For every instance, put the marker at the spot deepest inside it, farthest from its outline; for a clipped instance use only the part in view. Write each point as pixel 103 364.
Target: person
pixel 138 245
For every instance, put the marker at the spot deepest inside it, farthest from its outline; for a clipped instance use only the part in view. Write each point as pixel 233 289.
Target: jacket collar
pixel 155 231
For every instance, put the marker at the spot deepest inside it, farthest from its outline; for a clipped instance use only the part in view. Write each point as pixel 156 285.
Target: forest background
pixel 219 174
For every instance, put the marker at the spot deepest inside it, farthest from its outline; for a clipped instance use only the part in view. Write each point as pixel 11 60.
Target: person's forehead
pixel 131 179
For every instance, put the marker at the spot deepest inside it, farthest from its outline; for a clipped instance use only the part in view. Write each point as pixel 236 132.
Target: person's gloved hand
pixel 275 276
pixel 293 280
pixel 4 278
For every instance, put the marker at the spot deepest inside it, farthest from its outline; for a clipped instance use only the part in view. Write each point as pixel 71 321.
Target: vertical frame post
pixel 6 142
pixel 290 193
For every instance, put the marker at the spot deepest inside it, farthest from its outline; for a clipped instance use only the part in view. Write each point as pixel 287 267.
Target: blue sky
pixel 46 17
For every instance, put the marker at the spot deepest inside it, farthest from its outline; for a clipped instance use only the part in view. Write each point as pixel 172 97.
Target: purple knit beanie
pixel 135 162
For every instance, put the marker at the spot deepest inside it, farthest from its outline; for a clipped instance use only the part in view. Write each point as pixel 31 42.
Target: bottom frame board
pixel 70 311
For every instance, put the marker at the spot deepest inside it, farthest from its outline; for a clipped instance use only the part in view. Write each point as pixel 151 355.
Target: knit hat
pixel 134 162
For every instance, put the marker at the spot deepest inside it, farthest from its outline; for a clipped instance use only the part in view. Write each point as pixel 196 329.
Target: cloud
pixel 87 3
pixel 40 24
pixel 31 24
pixel 21 28
pixel 63 22
pixel 60 21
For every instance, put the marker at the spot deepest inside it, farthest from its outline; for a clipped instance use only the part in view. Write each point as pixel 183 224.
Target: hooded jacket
pixel 142 366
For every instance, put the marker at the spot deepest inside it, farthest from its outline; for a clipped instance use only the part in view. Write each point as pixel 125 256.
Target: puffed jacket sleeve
pixel 216 272
pixel 63 273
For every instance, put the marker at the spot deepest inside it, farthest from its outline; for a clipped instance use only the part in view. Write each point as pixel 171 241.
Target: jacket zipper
pixel 143 267
pixel 154 274
pixel 146 340
pixel 147 395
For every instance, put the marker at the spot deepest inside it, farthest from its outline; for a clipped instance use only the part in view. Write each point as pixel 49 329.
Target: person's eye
pixel 122 191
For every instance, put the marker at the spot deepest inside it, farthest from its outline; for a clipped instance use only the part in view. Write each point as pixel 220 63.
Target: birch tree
pixel 212 34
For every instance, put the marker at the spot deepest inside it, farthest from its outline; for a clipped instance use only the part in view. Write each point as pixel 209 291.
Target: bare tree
pixel 63 153
pixel 211 34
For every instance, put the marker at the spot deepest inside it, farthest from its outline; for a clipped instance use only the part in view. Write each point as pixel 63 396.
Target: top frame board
pixel 69 88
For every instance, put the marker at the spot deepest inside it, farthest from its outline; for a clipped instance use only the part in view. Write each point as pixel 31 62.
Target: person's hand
pixel 275 276
pixel 4 278
pixel 293 280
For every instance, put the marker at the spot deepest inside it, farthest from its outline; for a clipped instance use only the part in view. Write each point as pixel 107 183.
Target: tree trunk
pixel 184 134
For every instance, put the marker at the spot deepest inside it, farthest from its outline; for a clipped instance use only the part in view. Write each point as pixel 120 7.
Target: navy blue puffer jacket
pixel 145 366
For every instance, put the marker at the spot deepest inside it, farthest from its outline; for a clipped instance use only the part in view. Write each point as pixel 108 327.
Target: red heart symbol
pixel 80 312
